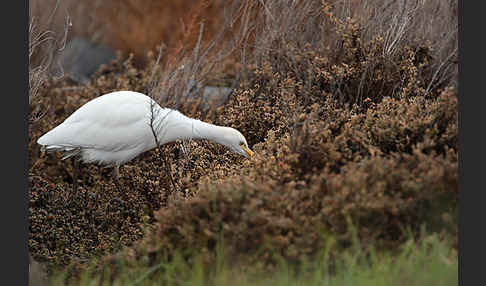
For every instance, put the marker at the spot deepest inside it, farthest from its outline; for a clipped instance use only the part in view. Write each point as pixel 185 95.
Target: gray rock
pixel 216 93
pixel 81 59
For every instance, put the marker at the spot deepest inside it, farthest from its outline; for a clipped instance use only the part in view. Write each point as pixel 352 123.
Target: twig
pixel 153 115
pixel 438 69
pixel 168 168
pixel 39 73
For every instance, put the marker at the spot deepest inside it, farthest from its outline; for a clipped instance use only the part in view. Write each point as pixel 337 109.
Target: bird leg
pixel 168 170
pixel 116 177
pixel 75 175
pixel 116 180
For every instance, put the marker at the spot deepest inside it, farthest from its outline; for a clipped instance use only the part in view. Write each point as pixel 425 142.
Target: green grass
pixel 427 262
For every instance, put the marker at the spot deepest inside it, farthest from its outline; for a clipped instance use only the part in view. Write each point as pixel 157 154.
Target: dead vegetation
pixel 136 27
pixel 350 107
pixel 45 43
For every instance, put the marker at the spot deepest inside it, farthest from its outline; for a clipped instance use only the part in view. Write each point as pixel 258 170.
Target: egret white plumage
pixel 114 128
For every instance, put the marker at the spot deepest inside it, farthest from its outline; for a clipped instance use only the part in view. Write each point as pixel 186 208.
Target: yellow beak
pixel 247 151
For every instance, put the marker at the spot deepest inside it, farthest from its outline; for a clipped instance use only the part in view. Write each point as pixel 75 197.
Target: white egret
pixel 114 128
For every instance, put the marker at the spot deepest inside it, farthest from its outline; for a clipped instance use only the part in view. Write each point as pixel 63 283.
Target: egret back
pixel 110 129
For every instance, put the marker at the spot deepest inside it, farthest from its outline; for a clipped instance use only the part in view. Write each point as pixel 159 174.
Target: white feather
pixel 115 128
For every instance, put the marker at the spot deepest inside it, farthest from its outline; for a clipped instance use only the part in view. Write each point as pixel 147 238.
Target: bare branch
pixel 44 45
pixel 434 82
pixel 154 111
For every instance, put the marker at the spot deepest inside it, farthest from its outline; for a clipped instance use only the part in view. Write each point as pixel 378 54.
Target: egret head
pixel 234 140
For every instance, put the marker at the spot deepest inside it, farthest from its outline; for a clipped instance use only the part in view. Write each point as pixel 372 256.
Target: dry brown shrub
pixel 358 49
pixel 398 127
pixel 357 134
pixel 297 191
pixel 339 131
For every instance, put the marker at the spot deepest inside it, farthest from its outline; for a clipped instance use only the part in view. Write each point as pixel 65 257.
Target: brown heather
pixel 340 135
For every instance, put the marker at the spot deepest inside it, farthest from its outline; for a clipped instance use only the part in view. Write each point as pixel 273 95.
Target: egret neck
pixel 173 125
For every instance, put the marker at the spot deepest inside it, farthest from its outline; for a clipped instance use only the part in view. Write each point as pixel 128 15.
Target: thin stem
pixel 168 169
pixel 75 175
pixel 157 143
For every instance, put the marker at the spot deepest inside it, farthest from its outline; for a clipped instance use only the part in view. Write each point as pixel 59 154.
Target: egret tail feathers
pixel 68 152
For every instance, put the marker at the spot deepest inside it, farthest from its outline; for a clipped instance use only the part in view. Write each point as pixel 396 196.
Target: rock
pixel 81 58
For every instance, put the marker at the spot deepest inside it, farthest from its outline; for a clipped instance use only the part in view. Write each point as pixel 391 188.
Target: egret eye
pixel 242 143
